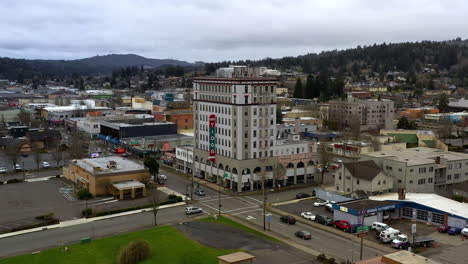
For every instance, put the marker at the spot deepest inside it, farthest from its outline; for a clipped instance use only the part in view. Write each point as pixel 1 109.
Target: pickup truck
pixel 402 242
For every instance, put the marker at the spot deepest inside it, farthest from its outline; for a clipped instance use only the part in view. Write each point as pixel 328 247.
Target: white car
pixel 308 215
pixel 322 203
pixel 18 167
pixel 464 231
pixel 338 160
pixel 3 169
pixel 45 165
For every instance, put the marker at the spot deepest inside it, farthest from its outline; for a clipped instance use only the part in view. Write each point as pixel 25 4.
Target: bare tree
pixel 355 127
pixel 24 117
pixel 57 155
pixel 36 154
pixel 12 152
pixel 75 147
pixel 153 167
pixel 324 159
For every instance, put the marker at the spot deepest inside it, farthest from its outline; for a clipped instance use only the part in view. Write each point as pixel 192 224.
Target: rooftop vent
pixel 112 164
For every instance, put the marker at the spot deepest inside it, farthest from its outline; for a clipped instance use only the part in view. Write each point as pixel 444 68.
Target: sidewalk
pixel 84 221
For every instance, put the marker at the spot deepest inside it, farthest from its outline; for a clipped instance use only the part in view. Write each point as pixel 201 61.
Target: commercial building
pixel 184 157
pixel 118 129
pixel 415 138
pixel 58 114
pixel 417 113
pixel 399 257
pixel 369 114
pixel 422 169
pixel 114 175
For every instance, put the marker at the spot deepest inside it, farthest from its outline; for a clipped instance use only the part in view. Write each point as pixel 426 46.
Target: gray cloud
pixel 212 30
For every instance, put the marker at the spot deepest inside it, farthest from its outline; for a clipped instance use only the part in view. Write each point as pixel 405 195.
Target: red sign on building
pixel 212 126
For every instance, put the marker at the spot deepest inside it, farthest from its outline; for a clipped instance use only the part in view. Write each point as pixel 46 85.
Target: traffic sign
pixel 362 228
pixel 225 175
pixel 413 229
pixel 268 218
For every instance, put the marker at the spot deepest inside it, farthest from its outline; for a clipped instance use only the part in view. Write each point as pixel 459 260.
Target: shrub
pixel 458 198
pixel 83 194
pixel 51 221
pixel 135 252
pixel 321 257
pixel 87 212
pixel 45 216
pixel 15 181
pixel 175 198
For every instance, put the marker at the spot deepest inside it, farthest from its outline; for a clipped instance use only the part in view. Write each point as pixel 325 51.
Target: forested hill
pixel 407 57
pixel 47 69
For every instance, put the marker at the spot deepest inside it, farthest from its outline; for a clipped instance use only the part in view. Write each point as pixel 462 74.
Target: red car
pixel 342 224
pixel 443 228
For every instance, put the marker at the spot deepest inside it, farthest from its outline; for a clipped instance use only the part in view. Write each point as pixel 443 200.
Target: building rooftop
pixel 366 204
pixel 99 166
pixel 399 257
pixel 366 170
pixel 417 156
pixel 430 200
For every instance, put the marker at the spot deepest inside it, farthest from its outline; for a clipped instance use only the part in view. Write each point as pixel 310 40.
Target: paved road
pixel 57 237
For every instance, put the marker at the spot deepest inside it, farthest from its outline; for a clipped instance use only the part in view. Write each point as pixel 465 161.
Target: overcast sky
pixel 211 30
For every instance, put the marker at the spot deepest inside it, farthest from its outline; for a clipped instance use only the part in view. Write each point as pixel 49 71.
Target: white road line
pixel 212 200
pixel 247 201
pixel 113 201
pixel 259 209
pixel 242 208
pixel 212 208
pixel 253 199
pixel 101 200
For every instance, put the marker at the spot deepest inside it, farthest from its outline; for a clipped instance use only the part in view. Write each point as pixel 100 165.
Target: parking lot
pixel 28 161
pixel 306 205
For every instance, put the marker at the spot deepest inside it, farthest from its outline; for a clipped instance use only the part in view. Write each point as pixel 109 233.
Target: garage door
pixel 371 219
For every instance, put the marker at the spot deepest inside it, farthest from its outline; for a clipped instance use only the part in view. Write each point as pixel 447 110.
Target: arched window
pixel 300 165
pixel 310 163
pixel 234 171
pixel 257 170
pixel 290 165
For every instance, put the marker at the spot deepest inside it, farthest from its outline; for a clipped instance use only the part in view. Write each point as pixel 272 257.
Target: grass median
pixel 168 245
pixel 227 221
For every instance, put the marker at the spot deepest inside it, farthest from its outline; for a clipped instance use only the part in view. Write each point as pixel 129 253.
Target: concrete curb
pixel 85 220
pixel 334 231
pixel 293 201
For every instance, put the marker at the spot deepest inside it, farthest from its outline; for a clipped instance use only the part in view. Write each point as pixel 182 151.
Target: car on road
pixel 18 167
pixel 342 224
pixel 45 165
pixel 323 219
pixel 125 155
pixel 443 228
pixel 454 231
pixel 321 203
pixel 302 195
pixel 337 160
pixel 335 166
pixel 192 210
pixel 3 169
pixel 200 192
pixel 288 219
pixel 303 234
pixel 464 231
pixel 308 215
pixel 24 155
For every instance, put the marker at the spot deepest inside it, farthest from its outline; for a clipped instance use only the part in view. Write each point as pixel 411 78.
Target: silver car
pixel 3 169
pixel 192 210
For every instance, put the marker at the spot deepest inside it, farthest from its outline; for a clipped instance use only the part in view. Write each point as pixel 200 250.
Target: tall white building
pixel 245 111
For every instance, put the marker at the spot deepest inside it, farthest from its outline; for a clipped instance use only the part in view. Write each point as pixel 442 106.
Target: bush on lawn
pixel 15 181
pixel 45 216
pixel 83 194
pixel 1 182
pixel 51 221
pixel 87 212
pixel 173 197
pixel 135 252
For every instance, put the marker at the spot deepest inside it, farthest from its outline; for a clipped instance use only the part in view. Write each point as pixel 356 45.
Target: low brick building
pixel 114 175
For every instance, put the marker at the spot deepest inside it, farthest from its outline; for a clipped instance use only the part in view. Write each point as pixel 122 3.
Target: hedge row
pixel 51 221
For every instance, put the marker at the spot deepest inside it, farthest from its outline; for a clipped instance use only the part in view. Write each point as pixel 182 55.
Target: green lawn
pixel 227 221
pixel 168 246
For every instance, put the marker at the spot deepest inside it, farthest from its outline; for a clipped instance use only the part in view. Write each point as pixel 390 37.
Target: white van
pixel 388 235
pixel 379 227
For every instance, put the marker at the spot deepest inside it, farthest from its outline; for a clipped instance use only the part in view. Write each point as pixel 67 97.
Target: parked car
pixel 288 219
pixel 302 195
pixel 402 241
pixel 464 231
pixel 308 215
pixel 337 160
pixel 321 203
pixel 342 224
pixel 323 219
pixel 379 227
pixel 200 192
pixel 192 210
pixel 125 155
pixel 454 231
pixel 303 234
pixel 443 228
pixel 45 165
pixel 3 169
pixel 329 207
pixel 18 167
pixel 388 235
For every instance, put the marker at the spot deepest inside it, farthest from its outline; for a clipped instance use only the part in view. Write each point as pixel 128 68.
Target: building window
pixel 437 218
pixel 421 181
pixel 388 168
pixel 431 169
pixel 422 170
pixel 449 177
pixel 456 176
pixel 449 166
pixel 458 165
pixel 422 215
pixel 399 181
pixel 411 170
pixel 430 180
pixel 246 89
pixel 411 181
pixel 400 170
pixel 407 212
pixel 357 181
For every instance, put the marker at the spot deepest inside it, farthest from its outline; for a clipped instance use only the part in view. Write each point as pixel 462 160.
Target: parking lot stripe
pixel 247 201
pixel 253 199
pixel 212 208
pixel 242 208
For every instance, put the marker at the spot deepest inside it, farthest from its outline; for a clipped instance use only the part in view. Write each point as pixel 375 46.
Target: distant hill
pixel 11 68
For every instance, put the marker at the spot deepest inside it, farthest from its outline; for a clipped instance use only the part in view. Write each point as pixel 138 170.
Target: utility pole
pixel 219 197
pixel 264 200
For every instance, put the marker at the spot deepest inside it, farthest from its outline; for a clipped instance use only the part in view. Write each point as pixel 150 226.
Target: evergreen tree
pixel 298 91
